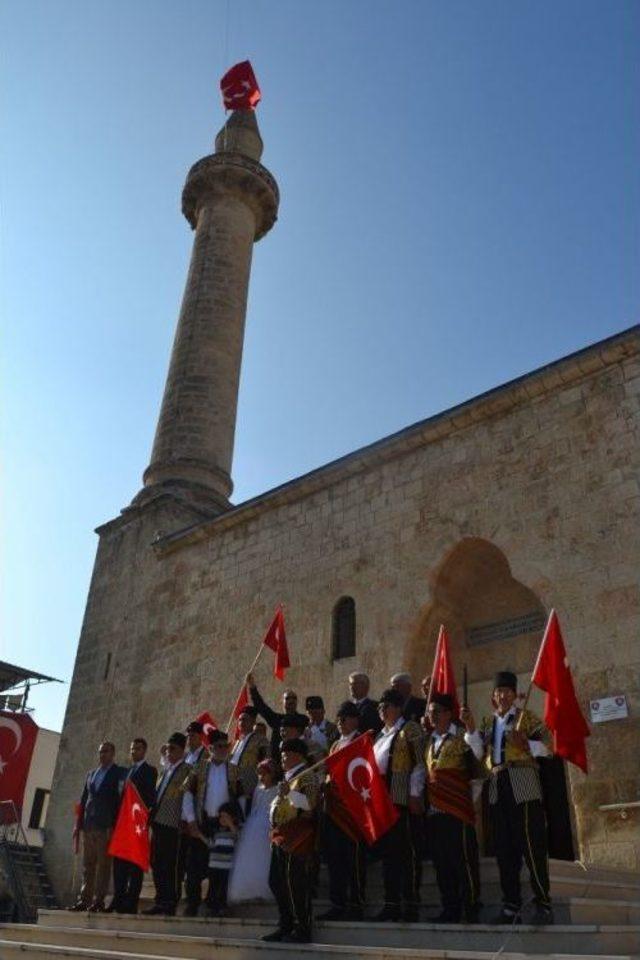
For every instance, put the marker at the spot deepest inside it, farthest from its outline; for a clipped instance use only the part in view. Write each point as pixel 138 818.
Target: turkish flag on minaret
pixel 130 837
pixel 276 640
pixel 240 90
pixel 442 678
pixel 562 713
pixel 359 784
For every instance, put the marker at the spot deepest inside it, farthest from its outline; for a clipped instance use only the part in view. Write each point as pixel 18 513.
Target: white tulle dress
pixel 249 878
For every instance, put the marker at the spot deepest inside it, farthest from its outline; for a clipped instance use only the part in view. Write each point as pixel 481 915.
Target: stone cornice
pixel 497 401
pixel 223 171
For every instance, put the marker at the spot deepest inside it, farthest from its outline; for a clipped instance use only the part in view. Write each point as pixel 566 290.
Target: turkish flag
pixel 240 90
pixel 130 837
pixel 242 701
pixel 358 783
pixel 18 734
pixel 208 723
pixel 562 713
pixel 276 640
pixel 442 678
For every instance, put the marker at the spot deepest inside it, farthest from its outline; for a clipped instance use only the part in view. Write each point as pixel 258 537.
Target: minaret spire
pixel 231 201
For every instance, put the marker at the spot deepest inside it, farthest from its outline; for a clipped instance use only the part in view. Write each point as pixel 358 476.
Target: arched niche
pixel 494 621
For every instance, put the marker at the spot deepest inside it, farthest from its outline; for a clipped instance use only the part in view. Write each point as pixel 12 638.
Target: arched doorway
pixel 495 623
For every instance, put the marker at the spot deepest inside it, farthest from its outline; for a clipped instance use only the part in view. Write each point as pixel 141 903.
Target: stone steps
pixel 148 934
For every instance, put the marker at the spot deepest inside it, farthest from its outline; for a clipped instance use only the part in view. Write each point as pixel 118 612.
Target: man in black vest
pixel 97 814
pixel 127 876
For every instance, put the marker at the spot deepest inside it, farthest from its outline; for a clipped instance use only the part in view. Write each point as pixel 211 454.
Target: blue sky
pixel 460 197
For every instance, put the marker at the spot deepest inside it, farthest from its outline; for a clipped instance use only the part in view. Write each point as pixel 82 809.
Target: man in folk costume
pixel 449 759
pixel 196 756
pixel 293 818
pixel 320 731
pixel 247 752
pixel 166 836
pixel 342 842
pixel 399 752
pixel 513 740
pixel 208 787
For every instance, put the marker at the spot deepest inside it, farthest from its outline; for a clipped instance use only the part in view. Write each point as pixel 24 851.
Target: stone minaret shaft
pixel 231 201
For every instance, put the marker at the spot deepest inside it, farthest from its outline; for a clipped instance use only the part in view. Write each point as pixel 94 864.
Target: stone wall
pixel 540 475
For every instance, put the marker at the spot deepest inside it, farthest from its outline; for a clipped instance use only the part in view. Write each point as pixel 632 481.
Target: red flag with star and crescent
pixel 18 734
pixel 276 640
pixel 361 788
pixel 562 713
pixel 442 676
pixel 239 87
pixel 130 837
pixel 209 723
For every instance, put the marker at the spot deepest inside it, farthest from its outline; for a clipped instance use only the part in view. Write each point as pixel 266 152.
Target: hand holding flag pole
pixel 276 639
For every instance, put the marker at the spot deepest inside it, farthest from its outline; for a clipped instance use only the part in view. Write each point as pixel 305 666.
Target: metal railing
pixel 12 836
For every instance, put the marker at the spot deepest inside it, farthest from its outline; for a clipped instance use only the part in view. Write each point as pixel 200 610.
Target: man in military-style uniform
pixel 247 752
pixel 293 834
pixel 208 787
pixel 342 842
pixel 513 740
pixel 399 752
pixel 449 759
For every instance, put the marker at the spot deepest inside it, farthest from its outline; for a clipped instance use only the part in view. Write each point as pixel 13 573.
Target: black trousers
pixel 400 863
pixel 197 869
pixel 520 832
pixel 454 848
pixel 127 884
pixel 218 884
pixel 290 882
pixel 167 865
pixel 347 864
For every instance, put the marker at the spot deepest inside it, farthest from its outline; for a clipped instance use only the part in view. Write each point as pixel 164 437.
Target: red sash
pixel 450 792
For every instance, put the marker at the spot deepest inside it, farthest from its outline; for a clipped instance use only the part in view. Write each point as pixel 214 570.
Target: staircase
pixel 23 869
pixel 597 915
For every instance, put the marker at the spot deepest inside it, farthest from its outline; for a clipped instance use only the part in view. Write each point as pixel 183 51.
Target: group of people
pixel 255 816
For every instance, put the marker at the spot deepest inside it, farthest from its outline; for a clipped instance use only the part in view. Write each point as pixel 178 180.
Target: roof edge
pixel 500 399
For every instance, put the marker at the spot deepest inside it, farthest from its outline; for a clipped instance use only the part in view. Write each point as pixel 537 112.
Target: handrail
pixel 620 806
pixel 12 834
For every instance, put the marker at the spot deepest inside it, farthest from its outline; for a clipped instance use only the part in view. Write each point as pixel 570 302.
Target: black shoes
pixel 333 913
pixel 446 916
pixel 543 916
pixel 297 935
pixel 506 918
pixel 158 911
pixel 191 910
pixel 276 937
pixel 79 907
pixel 390 913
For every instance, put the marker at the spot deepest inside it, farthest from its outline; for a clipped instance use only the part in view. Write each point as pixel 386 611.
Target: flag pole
pixel 250 670
pixel 533 673
pixel 465 687
pixel 435 660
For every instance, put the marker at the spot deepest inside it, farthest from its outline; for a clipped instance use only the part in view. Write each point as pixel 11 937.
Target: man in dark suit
pixel 367 708
pixel 166 837
pixel 97 814
pixel 273 718
pixel 127 876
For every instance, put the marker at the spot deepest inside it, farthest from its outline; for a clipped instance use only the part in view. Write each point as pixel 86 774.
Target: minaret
pixel 231 201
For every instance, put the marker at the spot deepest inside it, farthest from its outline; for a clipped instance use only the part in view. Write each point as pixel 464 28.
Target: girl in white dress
pixel 249 879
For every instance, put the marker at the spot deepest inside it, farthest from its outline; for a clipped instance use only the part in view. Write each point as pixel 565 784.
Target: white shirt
pixel 296 799
pixel 473 740
pixel 382 750
pixel 343 741
pixel 238 749
pixel 193 756
pixel 537 748
pixel 318 735
pixel 216 794
pixel 166 776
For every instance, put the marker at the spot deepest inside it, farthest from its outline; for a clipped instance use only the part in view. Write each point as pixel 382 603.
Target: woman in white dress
pixel 249 879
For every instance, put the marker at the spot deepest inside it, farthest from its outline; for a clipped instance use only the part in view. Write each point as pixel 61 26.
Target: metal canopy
pixel 11 676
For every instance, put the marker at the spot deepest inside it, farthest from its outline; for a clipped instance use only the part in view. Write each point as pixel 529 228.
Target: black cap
pixel 297 720
pixel 218 736
pixel 294 745
pixel 178 740
pixel 444 700
pixel 195 727
pixel 505 678
pixel 348 709
pixel 392 697
pixel 314 703
pixel 250 711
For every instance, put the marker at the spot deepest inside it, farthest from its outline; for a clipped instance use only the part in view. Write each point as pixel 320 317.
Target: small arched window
pixel 343 639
